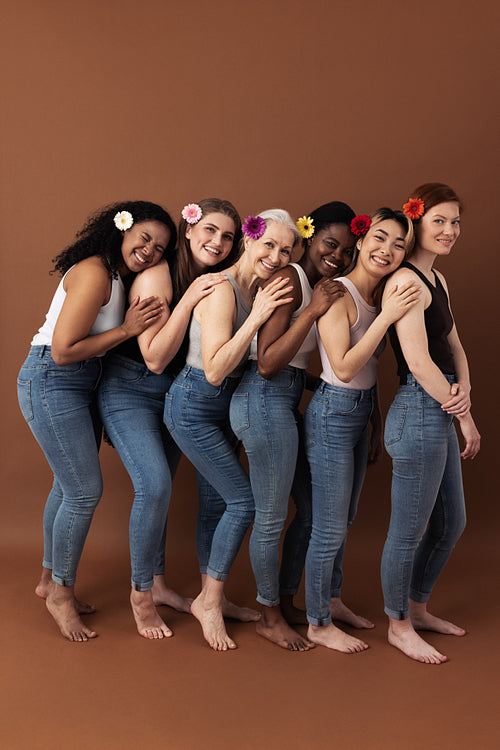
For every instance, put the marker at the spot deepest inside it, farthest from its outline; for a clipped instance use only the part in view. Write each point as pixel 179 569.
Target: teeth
pixel 140 258
pixel 329 263
pixel 380 261
pixel 211 250
pixel 271 268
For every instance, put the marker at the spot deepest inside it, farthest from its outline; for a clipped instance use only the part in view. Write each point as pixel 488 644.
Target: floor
pixel 121 691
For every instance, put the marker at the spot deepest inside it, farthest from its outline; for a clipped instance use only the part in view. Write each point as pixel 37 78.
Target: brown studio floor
pixel 121 691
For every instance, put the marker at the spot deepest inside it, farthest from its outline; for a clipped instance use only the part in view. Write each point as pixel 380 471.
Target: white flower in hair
pixel 123 220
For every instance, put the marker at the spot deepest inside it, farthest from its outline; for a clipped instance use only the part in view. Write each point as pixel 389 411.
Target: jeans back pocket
pixel 394 424
pixel 24 398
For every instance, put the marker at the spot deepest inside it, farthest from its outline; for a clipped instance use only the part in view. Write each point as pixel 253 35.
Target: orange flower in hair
pixel 414 209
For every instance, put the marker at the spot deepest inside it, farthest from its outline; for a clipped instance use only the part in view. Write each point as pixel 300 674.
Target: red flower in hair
pixel 414 209
pixel 360 224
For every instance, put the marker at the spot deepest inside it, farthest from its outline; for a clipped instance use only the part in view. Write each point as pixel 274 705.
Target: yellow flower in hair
pixel 305 226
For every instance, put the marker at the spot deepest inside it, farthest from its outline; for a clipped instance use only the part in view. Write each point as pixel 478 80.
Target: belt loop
pixel 42 352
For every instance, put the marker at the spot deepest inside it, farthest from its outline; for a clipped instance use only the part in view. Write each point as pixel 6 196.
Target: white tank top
pixel 109 316
pixel 309 345
pixel 367 376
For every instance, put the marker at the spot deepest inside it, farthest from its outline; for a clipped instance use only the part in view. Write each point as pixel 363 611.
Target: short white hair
pixel 280 216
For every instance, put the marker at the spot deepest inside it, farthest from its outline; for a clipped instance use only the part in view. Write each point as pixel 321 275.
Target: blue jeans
pixel 428 506
pixel 197 417
pixel 59 405
pixel 264 416
pixel 337 439
pixel 131 401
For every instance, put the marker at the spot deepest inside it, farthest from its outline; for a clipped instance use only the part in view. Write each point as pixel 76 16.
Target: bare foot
pixel 403 636
pixel 274 627
pixel 148 621
pixel 209 615
pixel 42 590
pixel 61 606
pixel 163 595
pixel 339 611
pixel 423 620
pixel 234 612
pixel 292 614
pixel 332 637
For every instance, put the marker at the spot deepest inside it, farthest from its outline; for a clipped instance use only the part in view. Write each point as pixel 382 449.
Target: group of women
pixel 189 340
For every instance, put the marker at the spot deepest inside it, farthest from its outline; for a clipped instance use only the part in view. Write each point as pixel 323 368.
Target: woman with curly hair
pixel 138 374
pixel 57 383
pixel 428 507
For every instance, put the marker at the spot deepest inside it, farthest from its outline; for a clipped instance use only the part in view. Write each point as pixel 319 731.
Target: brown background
pixel 286 104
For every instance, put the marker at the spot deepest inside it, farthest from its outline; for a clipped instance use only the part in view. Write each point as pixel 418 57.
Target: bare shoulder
pixel 90 271
pixel 221 298
pixel 400 276
pixel 153 281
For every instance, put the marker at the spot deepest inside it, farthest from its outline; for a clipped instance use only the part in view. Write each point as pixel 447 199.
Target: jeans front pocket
pixel 342 403
pixel 394 424
pixel 24 398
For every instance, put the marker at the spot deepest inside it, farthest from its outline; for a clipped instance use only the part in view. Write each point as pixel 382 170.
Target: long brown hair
pixel 182 268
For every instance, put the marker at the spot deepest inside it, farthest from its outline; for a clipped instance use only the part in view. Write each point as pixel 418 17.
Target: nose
pixel 148 248
pixel 274 255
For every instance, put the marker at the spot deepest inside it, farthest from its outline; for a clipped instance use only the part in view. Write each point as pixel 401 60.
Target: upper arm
pixel 216 314
pixel 87 287
pixel 155 281
pixel 279 322
pixel 333 328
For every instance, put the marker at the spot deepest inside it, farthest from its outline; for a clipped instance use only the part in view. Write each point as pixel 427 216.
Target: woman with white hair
pixel 197 405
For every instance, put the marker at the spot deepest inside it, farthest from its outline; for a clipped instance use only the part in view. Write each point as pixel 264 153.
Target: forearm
pixel 348 366
pixel 91 346
pixel 432 380
pixel 229 355
pixel 166 343
pixel 281 352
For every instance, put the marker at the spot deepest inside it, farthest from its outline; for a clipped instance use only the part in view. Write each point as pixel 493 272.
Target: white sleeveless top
pixel 309 345
pixel 109 316
pixel 367 376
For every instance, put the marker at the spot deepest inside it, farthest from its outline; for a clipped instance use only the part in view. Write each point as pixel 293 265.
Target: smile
pixel 140 258
pixel 268 266
pixel 211 250
pixel 379 261
pixel 331 264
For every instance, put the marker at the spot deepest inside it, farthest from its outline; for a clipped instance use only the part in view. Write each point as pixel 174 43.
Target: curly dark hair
pixel 181 265
pixel 100 236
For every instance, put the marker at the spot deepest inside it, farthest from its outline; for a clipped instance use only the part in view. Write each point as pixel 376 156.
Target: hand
pixel 471 436
pixel 325 292
pixel 141 314
pixel 202 286
pixel 268 299
pixel 459 403
pixel 400 300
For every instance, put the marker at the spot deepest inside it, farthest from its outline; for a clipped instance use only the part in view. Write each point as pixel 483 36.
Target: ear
pixel 188 231
pixel 246 241
pixel 359 243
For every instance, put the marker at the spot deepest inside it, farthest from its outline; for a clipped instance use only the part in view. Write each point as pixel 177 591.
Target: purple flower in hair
pixel 254 227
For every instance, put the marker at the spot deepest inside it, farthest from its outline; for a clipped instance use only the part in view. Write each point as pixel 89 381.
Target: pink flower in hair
pixel 191 213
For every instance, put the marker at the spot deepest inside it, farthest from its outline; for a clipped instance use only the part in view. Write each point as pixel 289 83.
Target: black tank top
pixel 438 324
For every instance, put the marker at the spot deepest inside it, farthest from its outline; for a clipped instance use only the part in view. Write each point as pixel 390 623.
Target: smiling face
pixel 329 252
pixel 383 248
pixel 144 244
pixel 272 251
pixel 439 228
pixel 210 240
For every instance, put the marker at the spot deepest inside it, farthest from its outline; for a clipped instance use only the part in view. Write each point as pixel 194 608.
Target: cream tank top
pixel 367 376
pixel 109 316
pixel 309 344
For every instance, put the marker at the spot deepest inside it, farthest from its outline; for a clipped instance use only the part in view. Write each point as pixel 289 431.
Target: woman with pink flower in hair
pixel 351 337
pixel 428 507
pixel 136 377
pixel 197 405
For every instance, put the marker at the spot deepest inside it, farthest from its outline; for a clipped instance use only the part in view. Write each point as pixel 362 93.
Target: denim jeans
pixel 131 401
pixel 337 438
pixel 264 416
pixel 428 506
pixel 197 417
pixel 59 405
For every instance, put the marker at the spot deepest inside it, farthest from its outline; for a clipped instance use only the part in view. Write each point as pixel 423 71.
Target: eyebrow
pixel 228 231
pixel 440 216
pixel 277 243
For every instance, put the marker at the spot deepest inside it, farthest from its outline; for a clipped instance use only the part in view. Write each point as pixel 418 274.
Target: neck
pixel 244 276
pixel 364 283
pixel 312 273
pixel 423 260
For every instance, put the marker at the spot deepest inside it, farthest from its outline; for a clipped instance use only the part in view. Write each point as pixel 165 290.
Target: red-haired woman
pixel 428 509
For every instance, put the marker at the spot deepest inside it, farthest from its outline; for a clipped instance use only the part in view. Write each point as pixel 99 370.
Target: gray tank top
pixel 194 358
